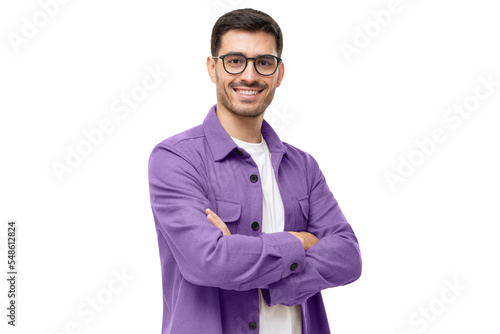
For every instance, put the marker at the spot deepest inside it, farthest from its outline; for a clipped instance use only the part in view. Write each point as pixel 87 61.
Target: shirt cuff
pixel 292 252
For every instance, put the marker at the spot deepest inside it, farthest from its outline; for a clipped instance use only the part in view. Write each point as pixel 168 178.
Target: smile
pixel 247 92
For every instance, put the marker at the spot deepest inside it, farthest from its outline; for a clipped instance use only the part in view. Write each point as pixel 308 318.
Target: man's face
pixel 230 86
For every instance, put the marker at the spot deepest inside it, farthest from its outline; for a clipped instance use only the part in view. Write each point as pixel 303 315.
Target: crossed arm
pixel 306 238
pixel 274 262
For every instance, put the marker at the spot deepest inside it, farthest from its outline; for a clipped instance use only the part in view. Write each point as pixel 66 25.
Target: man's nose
pixel 250 74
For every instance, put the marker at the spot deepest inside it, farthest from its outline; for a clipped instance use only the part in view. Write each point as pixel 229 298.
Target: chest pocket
pixel 229 212
pixel 302 217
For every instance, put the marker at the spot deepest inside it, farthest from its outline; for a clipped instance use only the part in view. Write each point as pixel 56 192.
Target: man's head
pixel 250 33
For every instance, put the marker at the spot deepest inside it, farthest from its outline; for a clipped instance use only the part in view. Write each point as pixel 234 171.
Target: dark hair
pixel 246 19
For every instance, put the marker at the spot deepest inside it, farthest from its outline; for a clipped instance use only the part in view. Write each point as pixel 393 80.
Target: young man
pixel 248 230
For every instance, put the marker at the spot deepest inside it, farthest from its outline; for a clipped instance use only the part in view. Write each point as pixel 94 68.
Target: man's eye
pixel 235 61
pixel 265 62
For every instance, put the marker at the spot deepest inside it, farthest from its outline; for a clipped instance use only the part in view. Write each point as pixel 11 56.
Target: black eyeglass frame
pixel 246 62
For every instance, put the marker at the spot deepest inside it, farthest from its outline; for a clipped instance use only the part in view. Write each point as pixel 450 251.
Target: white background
pixel 357 118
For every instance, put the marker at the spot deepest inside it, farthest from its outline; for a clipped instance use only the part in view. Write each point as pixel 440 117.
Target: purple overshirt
pixel 211 281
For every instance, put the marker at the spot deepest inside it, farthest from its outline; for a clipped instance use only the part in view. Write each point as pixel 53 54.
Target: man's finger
pixel 212 216
pixel 213 220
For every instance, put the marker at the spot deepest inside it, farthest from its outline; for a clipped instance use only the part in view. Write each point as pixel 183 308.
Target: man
pixel 248 230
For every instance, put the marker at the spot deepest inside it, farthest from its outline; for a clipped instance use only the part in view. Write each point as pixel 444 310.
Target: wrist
pixel 299 236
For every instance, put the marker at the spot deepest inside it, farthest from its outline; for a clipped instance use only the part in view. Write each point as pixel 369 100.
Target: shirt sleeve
pixel 334 261
pixel 203 255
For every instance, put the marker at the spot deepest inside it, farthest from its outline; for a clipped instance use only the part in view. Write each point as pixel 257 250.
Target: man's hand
pixel 308 239
pixel 217 222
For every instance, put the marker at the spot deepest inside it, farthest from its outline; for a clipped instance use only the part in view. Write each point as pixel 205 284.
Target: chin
pixel 246 111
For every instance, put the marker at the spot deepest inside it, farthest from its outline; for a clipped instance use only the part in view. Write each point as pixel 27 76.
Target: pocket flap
pixel 228 211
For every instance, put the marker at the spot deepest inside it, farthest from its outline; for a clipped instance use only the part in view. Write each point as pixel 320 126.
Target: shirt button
pixel 293 267
pixel 254 178
pixel 240 152
pixel 255 226
pixel 252 325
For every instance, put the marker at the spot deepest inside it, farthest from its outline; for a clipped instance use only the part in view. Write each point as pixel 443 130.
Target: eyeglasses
pixel 236 63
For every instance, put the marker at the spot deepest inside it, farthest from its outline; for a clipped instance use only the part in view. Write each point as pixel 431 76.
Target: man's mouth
pixel 248 92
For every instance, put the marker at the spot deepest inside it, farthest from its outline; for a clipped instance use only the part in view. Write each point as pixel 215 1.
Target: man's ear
pixel 211 69
pixel 281 73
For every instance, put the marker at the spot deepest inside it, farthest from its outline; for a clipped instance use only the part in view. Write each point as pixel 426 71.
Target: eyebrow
pixel 241 53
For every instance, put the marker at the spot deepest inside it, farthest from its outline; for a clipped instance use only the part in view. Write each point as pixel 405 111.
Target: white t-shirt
pixel 277 319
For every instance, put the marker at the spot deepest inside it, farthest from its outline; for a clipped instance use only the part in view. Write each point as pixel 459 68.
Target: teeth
pixel 248 92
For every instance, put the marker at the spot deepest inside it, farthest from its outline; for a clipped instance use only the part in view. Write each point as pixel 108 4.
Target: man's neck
pixel 247 129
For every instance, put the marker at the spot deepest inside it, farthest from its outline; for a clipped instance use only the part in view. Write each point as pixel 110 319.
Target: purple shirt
pixel 211 281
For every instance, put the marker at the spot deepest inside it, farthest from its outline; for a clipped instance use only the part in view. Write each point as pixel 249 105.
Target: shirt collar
pixel 221 143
